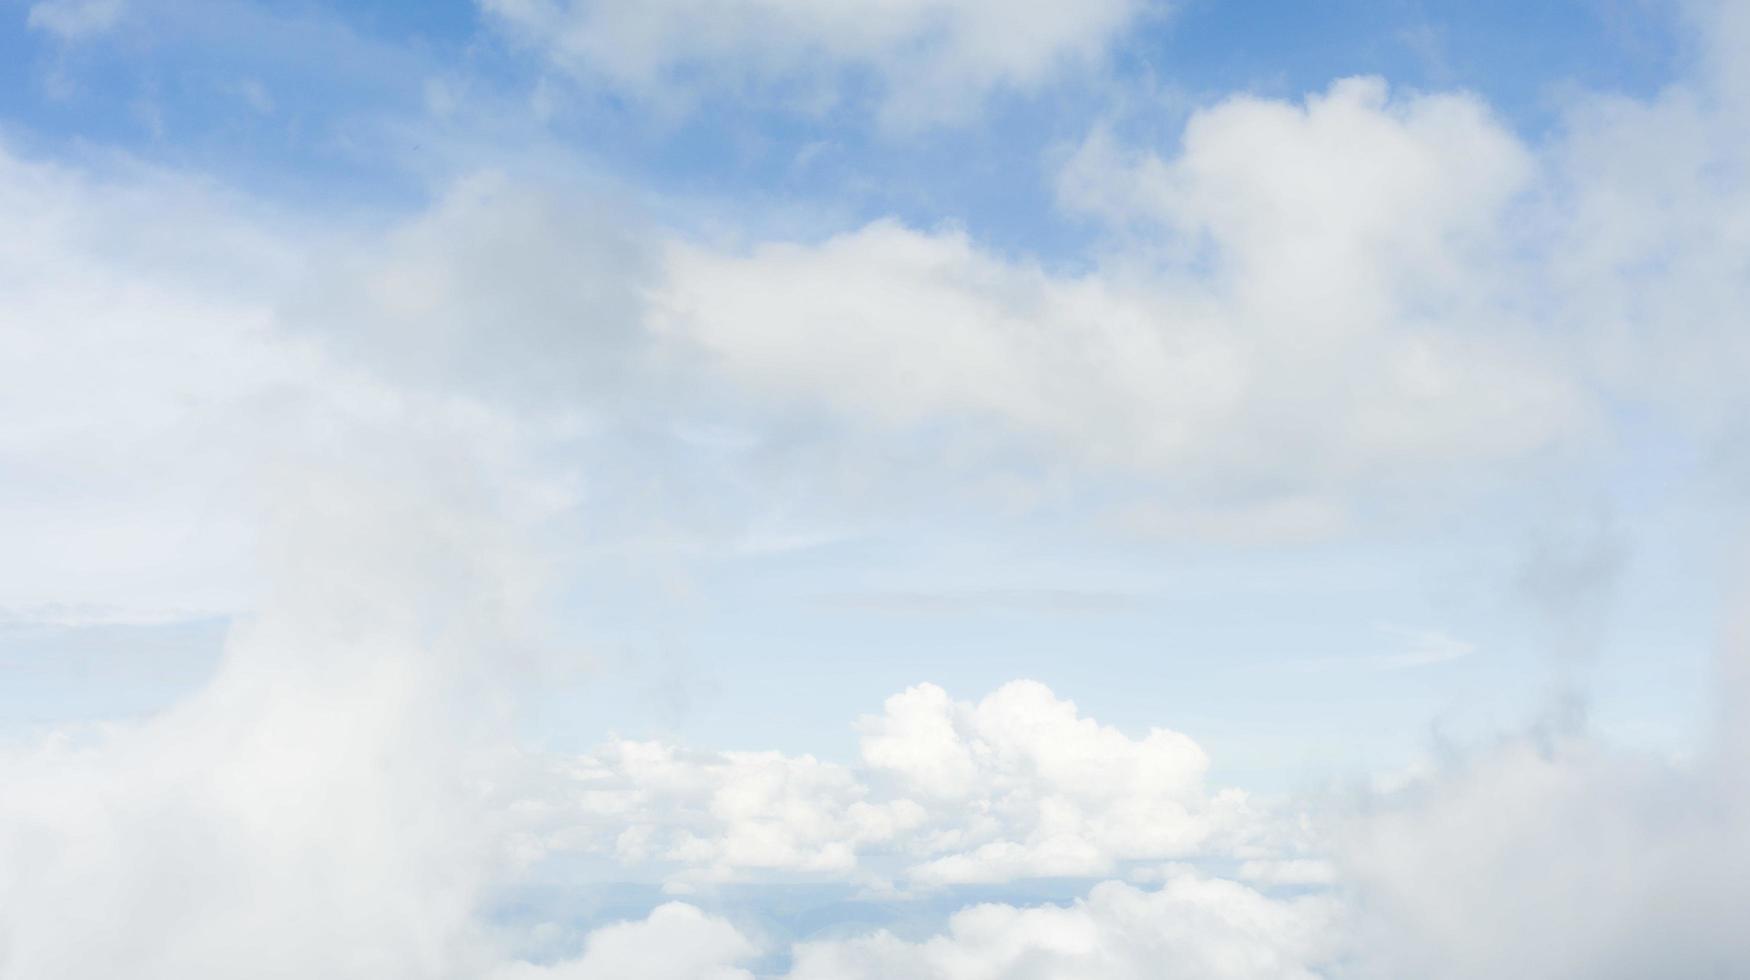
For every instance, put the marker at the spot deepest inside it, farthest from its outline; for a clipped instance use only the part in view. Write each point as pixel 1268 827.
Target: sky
pixel 801 490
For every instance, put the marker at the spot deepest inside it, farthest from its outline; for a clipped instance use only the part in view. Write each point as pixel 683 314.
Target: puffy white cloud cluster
pixel 1189 927
pixel 724 813
pixel 1301 306
pixel 932 58
pixel 1016 785
pixel 1306 306
pixel 1021 785
pixel 1549 855
pixel 674 942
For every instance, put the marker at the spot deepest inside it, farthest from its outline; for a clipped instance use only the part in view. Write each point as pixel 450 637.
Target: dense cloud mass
pixel 390 447
pixel 316 808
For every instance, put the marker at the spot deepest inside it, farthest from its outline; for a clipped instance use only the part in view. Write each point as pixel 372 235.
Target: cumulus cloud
pixel 674 942
pixel 931 58
pixel 1041 790
pixel 1016 785
pixel 1298 306
pixel 1308 320
pixel 1189 927
pixel 722 813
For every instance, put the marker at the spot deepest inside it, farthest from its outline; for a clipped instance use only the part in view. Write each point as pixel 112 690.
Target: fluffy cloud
pixel 1014 786
pixel 723 813
pixel 1301 307
pixel 1312 312
pixel 1035 789
pixel 1190 927
pixel 674 942
pixel 1316 302
pixel 932 57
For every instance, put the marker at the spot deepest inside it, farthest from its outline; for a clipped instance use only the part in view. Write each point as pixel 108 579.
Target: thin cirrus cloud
pixel 71 20
pixel 931 60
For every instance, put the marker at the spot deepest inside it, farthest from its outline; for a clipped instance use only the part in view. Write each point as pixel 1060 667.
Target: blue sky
pixel 942 488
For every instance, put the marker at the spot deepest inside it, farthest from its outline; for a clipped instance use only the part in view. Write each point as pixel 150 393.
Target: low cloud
pixel 1016 785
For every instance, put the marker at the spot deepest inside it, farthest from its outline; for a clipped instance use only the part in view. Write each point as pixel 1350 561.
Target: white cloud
pixel 1189 927
pixel 1571 859
pixel 674 942
pixel 1647 241
pixel 321 806
pixel 1301 308
pixel 520 292
pixel 1016 785
pixel 174 348
pixel 318 808
pixel 75 19
pixel 931 58
pixel 720 814
pixel 1310 316
pixel 1293 871
pixel 1316 303
pixel 138 377
pixel 1038 790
